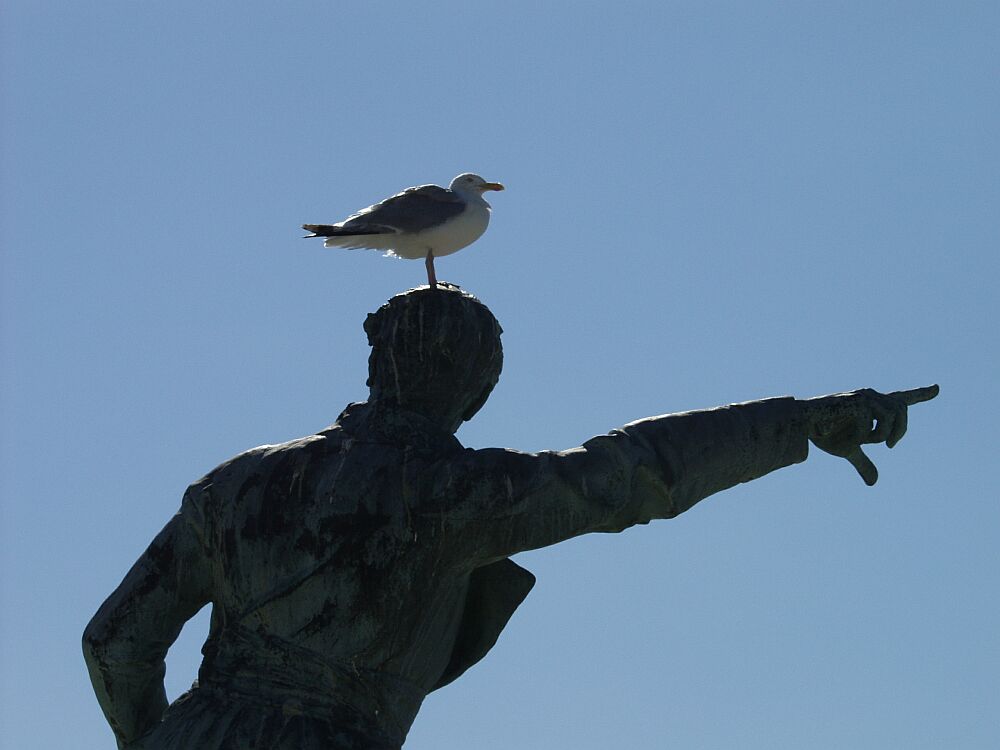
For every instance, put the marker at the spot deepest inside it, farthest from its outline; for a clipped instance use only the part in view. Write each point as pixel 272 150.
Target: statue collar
pixel 372 422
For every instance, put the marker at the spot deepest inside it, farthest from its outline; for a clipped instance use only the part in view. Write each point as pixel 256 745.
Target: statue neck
pixel 385 422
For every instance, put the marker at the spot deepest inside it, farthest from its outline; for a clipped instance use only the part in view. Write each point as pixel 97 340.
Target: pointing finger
pixel 916 395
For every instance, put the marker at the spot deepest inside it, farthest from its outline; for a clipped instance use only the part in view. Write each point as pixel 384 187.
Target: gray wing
pixel 413 210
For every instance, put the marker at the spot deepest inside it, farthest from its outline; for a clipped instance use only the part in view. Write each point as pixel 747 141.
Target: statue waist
pixel 284 677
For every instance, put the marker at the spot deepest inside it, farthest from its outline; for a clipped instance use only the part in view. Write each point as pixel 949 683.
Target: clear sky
pixel 707 202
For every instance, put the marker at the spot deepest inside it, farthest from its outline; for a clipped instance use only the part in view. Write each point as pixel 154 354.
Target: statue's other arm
pixel 507 502
pixel 126 641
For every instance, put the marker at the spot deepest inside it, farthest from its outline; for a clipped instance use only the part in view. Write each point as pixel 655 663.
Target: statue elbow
pixel 95 641
pixel 92 642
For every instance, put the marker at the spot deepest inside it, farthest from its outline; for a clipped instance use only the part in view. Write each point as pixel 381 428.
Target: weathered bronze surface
pixel 354 571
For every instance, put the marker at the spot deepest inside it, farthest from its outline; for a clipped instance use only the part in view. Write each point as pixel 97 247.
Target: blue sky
pixel 707 203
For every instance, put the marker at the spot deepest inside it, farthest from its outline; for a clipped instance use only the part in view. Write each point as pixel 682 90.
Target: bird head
pixel 474 184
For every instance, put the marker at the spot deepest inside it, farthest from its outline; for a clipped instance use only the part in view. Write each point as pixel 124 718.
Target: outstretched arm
pixel 126 641
pixel 500 502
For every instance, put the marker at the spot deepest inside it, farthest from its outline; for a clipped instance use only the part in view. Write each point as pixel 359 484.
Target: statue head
pixel 435 352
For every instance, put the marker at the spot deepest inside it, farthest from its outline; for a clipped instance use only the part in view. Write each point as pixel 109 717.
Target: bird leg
pixel 431 277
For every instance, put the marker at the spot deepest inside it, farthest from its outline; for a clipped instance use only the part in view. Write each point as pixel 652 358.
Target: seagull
pixel 427 221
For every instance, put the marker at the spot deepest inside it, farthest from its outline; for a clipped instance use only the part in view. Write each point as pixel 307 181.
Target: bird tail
pixel 321 230
pixel 332 230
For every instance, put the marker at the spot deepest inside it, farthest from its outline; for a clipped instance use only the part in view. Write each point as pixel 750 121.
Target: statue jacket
pixel 354 571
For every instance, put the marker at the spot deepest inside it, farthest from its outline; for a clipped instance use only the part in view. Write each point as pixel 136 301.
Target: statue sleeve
pixel 126 641
pixel 499 502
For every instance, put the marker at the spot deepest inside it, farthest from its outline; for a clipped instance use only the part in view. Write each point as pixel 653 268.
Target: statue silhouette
pixel 354 571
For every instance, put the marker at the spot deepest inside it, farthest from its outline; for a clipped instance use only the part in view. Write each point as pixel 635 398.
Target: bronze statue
pixel 354 571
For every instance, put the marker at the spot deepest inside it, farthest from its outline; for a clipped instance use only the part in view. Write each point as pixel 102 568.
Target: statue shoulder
pixel 262 461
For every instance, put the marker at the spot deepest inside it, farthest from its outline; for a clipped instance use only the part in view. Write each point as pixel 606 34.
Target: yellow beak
pixel 492 186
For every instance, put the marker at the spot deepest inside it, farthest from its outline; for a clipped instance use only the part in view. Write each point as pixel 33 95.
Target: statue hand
pixel 840 424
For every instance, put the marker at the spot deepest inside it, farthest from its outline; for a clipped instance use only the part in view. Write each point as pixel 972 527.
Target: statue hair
pixel 434 351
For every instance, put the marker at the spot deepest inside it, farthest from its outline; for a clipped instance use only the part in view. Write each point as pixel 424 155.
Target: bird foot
pixel 445 285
